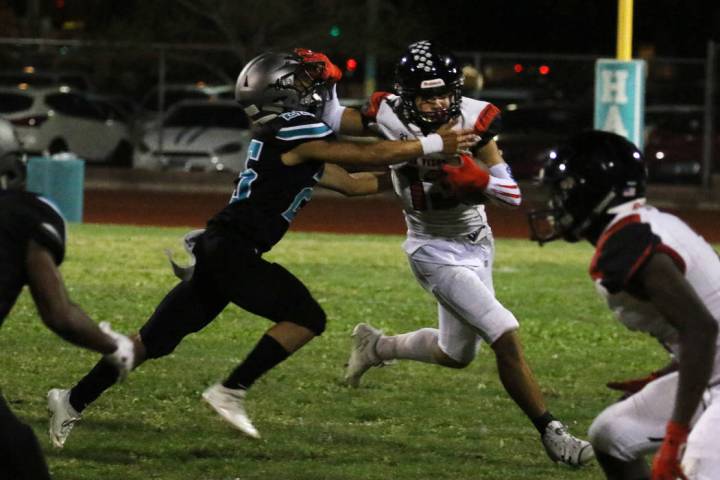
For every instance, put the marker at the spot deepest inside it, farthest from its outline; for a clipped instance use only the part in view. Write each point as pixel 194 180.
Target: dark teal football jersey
pixel 268 194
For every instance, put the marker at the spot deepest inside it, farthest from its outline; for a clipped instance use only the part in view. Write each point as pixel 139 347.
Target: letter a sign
pixel 620 98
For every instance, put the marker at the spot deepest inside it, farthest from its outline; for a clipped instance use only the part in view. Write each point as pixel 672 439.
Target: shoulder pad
pixel 621 251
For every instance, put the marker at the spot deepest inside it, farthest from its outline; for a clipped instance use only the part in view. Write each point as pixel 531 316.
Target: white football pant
pixel 635 427
pixel 468 311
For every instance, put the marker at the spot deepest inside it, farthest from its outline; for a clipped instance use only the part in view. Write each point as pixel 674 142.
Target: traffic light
pixel 351 65
pixel 335 31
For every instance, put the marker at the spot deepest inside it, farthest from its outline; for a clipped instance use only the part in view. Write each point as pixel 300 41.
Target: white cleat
pixel 565 448
pixel 228 402
pixel 63 416
pixel 363 354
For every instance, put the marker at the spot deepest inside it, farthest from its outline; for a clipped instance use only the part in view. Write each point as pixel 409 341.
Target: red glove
pixel 466 176
pixel 330 72
pixel 371 108
pixel 666 464
pixel 633 385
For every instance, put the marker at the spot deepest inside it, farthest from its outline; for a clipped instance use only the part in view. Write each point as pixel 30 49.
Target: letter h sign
pixel 620 98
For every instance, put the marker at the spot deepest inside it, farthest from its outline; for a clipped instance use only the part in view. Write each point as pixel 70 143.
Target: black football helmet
pixel 593 172
pixel 428 70
pixel 272 83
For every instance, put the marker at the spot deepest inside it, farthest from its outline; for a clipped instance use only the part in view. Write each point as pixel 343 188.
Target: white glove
pixel 123 358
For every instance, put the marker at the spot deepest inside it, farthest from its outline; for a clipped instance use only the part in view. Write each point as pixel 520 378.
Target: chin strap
pixel 594 215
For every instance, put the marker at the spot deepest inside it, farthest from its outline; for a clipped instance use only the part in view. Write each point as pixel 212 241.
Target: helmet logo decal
pixel 434 83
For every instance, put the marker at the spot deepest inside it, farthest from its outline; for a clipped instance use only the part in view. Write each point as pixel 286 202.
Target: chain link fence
pixel 143 81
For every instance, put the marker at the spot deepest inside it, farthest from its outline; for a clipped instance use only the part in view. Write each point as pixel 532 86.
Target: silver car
pixel 59 119
pixel 12 159
pixel 197 135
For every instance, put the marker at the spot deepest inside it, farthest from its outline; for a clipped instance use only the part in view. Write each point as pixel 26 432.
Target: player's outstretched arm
pixel 385 152
pixel 352 184
pixel 675 299
pixel 65 318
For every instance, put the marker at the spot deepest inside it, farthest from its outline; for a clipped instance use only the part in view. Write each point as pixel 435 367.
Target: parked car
pixel 531 131
pixel 58 119
pixel 149 111
pixel 197 135
pixel 45 78
pixel 9 141
pixel 674 143
pixel 12 156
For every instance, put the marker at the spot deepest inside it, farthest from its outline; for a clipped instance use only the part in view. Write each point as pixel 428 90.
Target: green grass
pixel 408 421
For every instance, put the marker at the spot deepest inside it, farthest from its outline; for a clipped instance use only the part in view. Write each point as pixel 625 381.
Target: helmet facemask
pixel 563 219
pixel 430 119
pixel 307 81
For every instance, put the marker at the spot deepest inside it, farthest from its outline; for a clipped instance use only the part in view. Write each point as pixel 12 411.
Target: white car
pixel 58 119
pixel 197 135
pixel 12 159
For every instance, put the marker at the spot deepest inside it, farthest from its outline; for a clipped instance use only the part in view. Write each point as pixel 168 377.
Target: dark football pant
pixel 227 271
pixel 20 455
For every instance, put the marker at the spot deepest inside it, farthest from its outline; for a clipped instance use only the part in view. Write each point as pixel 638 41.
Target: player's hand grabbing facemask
pixel 123 357
pixel 330 72
pixel 666 464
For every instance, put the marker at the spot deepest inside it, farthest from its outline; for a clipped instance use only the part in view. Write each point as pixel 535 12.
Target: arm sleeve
pixel 333 111
pixel 502 186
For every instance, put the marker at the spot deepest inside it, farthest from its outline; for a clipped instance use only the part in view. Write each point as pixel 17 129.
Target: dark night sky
pixel 674 27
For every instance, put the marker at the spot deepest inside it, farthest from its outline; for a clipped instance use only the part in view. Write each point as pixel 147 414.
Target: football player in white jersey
pixel 657 276
pixel 449 242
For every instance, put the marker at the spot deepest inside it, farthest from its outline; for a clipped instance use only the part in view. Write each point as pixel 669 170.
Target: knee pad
pixel 311 316
pixel 604 435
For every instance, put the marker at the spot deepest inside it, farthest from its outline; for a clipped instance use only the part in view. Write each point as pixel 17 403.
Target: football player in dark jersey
pixel 32 246
pixel 658 276
pixel 290 152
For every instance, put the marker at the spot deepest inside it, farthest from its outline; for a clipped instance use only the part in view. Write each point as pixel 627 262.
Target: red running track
pixel 379 214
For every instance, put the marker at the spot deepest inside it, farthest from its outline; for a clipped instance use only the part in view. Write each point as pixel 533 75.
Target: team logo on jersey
pixel 294 114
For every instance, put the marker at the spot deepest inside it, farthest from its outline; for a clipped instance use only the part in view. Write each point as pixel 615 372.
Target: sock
pixel 418 345
pixel 103 376
pixel 542 421
pixel 267 354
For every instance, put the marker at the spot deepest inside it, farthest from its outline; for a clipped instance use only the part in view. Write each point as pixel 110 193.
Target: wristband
pixel 433 143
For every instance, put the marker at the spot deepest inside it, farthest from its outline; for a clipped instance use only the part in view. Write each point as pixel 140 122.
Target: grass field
pixel 408 421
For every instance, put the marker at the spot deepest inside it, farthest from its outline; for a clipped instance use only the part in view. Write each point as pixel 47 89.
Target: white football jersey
pixel 637 231
pixel 430 208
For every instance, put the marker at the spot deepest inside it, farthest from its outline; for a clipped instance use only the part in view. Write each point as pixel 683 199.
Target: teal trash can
pixel 60 178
